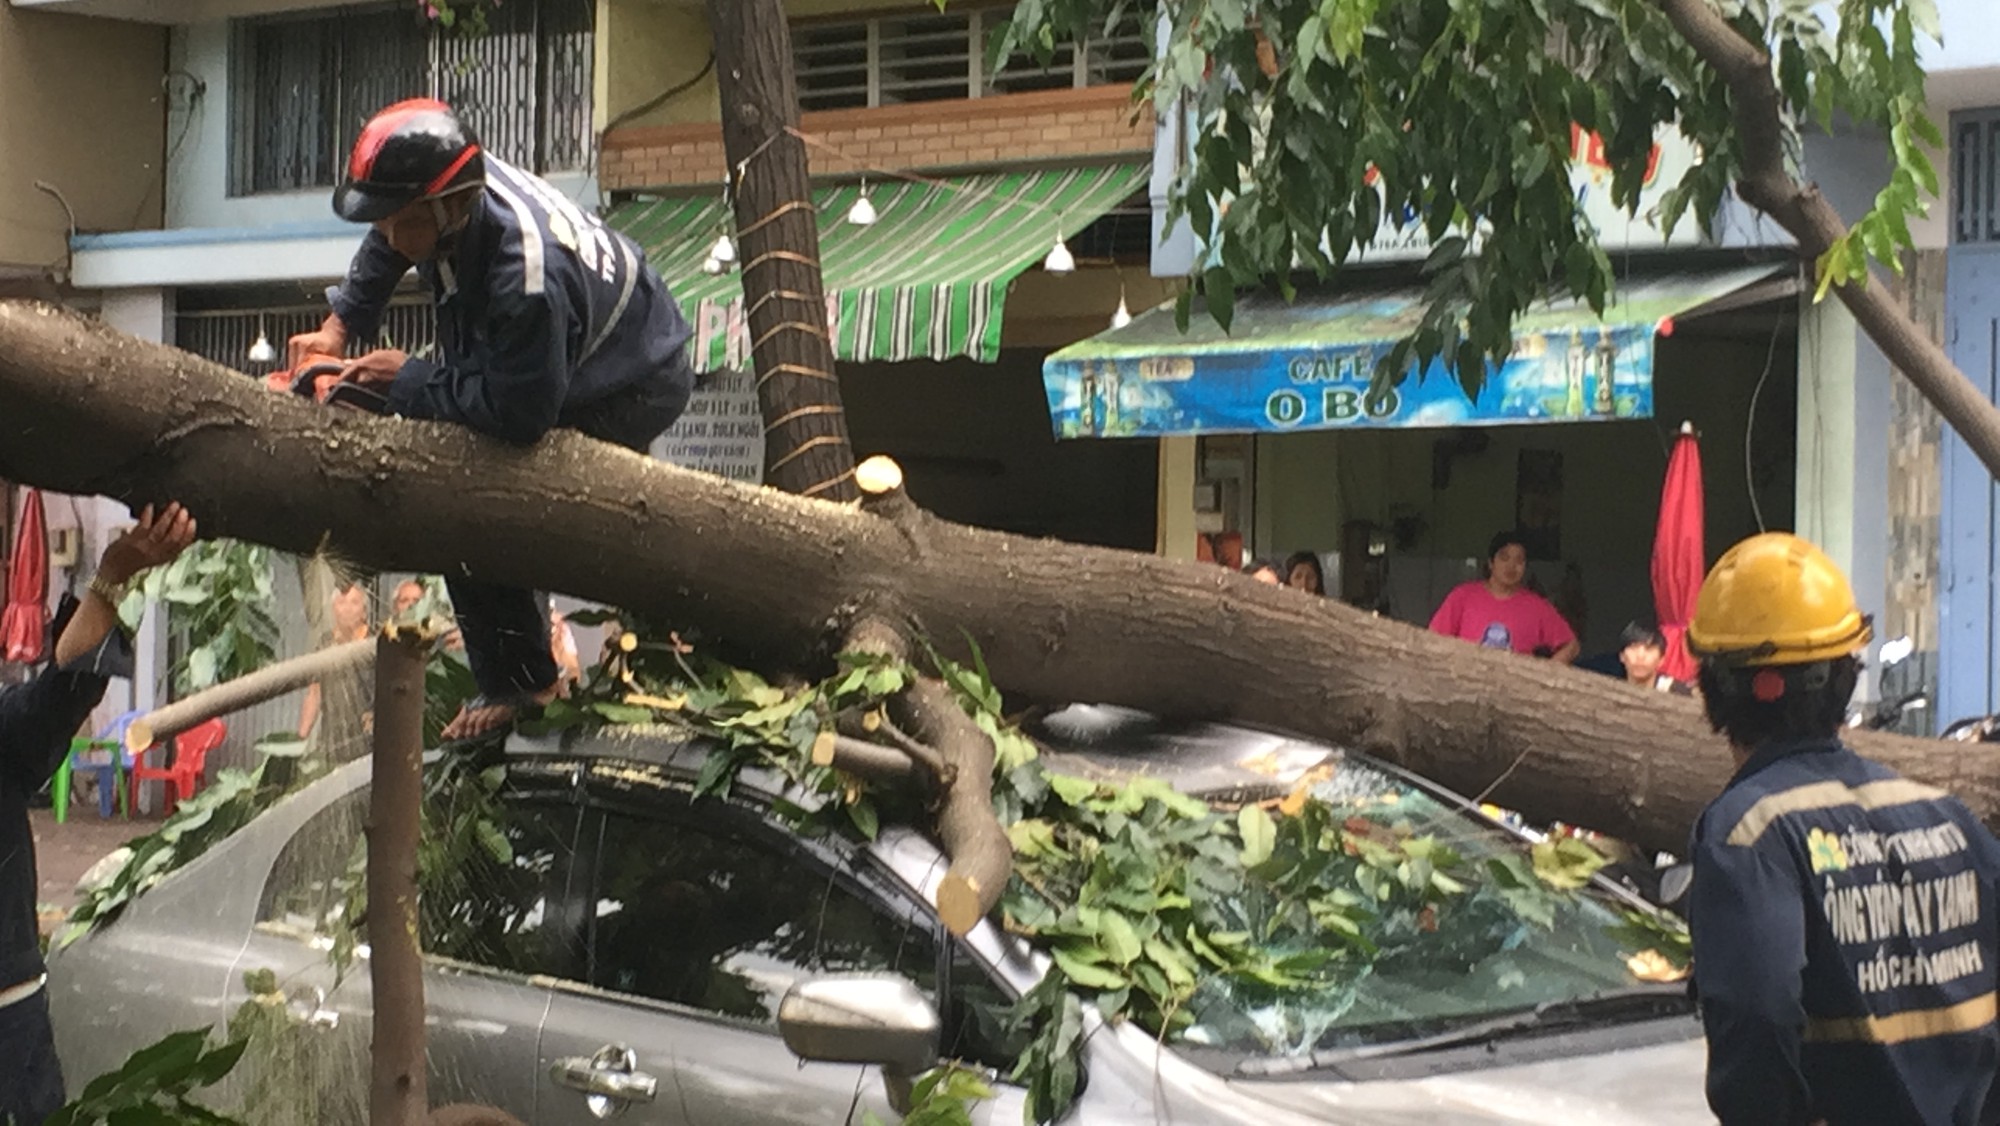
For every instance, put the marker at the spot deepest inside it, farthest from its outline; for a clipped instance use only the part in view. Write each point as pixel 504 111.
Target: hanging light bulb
pixel 1060 260
pixel 1123 316
pixel 725 251
pixel 714 267
pixel 261 352
pixel 863 211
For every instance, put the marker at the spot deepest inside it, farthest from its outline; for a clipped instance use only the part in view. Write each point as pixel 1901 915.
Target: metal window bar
pixel 1975 176
pixel 1988 172
pixel 225 336
pixel 1968 200
pixel 303 86
pixel 891 60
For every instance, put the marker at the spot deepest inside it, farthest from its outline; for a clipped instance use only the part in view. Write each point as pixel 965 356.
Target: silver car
pixel 645 954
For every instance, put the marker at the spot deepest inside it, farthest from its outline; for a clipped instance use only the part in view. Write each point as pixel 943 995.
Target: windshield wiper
pixel 1610 1006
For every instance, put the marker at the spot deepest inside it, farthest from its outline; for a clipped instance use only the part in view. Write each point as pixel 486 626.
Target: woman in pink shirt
pixel 1499 613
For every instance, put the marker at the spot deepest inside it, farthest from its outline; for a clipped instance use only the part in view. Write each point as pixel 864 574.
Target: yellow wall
pixel 649 46
pixel 80 108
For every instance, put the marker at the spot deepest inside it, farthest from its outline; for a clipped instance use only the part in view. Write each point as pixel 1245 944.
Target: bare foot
pixel 481 717
pixel 471 722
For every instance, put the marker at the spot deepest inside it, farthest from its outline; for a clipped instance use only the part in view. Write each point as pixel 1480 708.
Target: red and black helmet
pixel 410 151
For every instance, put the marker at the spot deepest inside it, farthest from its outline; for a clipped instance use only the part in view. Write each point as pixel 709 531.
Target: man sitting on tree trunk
pixel 546 319
pixel 1843 916
pixel 37 720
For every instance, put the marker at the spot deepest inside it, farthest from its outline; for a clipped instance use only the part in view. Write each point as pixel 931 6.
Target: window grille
pixel 927 57
pixel 1975 176
pixel 302 86
pixel 225 336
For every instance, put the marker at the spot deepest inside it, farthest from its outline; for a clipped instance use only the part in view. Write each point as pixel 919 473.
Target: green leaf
pixel 1220 293
pixel 622 713
pixel 1071 789
pixel 1179 970
pixel 1120 941
pixel 1259 834
pixel 1089 974
pixel 494 841
pixel 861 811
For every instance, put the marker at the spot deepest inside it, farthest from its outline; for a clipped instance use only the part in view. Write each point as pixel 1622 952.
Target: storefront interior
pixel 1399 516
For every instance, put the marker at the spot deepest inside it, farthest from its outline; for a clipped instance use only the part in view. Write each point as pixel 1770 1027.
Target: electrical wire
pixel 662 98
pixel 1750 425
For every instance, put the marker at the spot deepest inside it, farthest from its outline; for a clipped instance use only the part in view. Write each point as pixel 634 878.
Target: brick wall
pixel 1013 128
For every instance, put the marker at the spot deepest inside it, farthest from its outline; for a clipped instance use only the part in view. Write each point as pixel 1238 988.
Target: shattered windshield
pixel 1355 909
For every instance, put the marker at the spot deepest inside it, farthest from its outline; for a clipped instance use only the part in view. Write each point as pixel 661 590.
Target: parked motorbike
pixel 1974 729
pixel 1890 713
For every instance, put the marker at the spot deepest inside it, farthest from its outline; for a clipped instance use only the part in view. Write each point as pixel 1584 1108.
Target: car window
pixel 707 906
pixel 489 906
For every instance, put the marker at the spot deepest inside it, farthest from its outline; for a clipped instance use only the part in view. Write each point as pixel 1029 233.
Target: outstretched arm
pixel 38 718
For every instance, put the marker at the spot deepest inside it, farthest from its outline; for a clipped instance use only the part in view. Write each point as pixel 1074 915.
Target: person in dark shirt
pixel 37 720
pixel 546 319
pixel 1843 916
pixel 1642 649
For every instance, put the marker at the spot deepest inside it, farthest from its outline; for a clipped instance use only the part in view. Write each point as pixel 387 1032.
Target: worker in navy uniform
pixel 1843 916
pixel 546 319
pixel 37 720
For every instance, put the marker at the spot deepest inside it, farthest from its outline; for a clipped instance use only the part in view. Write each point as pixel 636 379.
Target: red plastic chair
pixel 182 775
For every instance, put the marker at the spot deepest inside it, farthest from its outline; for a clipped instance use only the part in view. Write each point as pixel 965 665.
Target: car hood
pixel 1657 1085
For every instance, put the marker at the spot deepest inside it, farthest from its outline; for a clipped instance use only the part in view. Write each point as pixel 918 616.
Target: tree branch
pixel 1800 208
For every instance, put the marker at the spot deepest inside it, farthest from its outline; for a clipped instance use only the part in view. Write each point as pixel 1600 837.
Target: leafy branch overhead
pixel 1316 118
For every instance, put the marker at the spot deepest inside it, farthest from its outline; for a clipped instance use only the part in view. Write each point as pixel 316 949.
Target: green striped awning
pixel 928 280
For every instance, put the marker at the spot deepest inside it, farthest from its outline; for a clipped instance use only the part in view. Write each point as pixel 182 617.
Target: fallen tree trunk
pixel 267 683
pixel 84 409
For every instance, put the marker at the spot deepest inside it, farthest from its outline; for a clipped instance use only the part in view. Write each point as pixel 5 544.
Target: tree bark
pixel 806 446
pixel 267 683
pixel 86 410
pixel 1768 185
pixel 399 1079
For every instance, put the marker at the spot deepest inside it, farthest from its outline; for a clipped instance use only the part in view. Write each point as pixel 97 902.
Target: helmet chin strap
pixel 441 215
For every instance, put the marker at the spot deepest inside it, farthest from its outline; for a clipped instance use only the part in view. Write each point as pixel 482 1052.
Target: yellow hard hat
pixel 1775 599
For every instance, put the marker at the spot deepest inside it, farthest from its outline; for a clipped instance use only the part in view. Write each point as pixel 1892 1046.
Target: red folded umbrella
pixel 24 625
pixel 1679 560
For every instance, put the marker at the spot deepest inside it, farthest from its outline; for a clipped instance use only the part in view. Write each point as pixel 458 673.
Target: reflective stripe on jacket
pixel 1844 945
pixel 543 311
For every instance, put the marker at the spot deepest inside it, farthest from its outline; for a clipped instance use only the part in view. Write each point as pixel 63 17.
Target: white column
pixel 1843 436
pixel 149 315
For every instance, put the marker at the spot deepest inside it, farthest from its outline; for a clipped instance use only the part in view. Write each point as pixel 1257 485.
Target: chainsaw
pixel 318 378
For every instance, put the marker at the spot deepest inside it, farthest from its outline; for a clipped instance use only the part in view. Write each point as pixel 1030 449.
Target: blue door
pixel 1969 551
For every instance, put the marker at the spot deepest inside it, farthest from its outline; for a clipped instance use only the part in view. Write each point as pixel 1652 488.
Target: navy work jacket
pixel 1844 945
pixel 543 314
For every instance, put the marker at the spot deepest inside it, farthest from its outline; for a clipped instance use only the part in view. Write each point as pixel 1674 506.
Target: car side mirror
pixel 1674 884
pixel 879 1019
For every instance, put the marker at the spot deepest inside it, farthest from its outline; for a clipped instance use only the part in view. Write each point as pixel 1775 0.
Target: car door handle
pixel 611 1074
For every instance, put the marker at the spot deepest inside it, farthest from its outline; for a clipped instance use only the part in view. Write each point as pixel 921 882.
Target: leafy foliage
pixel 1313 119
pixel 155 1087
pixel 225 805
pixel 1147 899
pixel 220 599
pixel 464 17
pixel 943 1097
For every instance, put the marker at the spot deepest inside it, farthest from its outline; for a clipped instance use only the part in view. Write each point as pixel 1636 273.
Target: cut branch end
pixel 879 476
